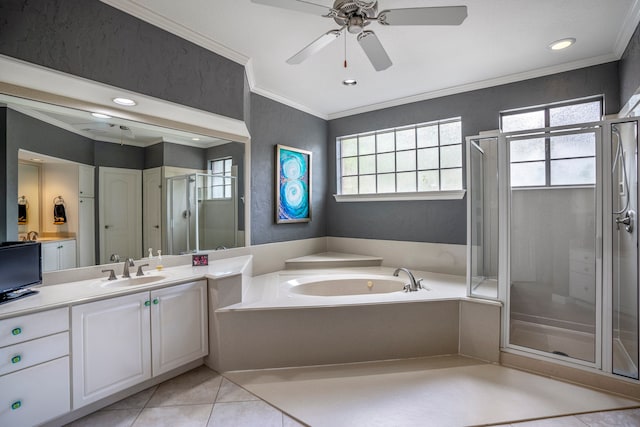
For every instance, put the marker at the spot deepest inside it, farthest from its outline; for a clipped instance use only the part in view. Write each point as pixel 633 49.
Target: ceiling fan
pixel 355 15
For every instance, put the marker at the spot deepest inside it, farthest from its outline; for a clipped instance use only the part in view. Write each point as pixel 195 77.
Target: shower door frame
pixel 504 267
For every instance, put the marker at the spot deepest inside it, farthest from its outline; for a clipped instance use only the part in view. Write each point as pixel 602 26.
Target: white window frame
pixel 547 137
pixel 400 196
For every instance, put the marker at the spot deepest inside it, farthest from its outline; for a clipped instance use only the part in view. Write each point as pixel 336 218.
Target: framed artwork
pixel 293 185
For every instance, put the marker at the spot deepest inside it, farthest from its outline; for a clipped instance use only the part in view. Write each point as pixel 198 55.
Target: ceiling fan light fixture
pixel 127 102
pixel 349 82
pixel 562 43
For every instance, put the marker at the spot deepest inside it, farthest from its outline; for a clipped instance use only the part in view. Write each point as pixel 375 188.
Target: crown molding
pixel 627 29
pixel 143 13
pixel 512 78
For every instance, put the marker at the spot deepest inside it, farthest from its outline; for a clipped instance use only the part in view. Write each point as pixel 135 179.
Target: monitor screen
pixel 20 265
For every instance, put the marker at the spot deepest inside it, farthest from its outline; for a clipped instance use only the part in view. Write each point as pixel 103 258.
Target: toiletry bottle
pixel 159 266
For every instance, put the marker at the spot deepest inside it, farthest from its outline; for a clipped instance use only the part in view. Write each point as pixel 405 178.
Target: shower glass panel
pixel 203 213
pixel 624 198
pixel 554 265
pixel 482 222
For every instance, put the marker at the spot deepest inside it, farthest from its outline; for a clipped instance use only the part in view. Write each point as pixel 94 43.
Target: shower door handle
pixel 627 220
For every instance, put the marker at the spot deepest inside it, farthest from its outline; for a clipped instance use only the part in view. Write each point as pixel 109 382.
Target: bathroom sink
pixel 133 281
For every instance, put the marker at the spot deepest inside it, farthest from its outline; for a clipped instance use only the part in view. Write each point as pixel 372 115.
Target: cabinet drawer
pixel 35 395
pixel 26 354
pixel 31 326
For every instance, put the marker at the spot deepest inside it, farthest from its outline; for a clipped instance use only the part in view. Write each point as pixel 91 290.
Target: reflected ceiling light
pixel 35 159
pixel 349 82
pixel 100 116
pixel 125 101
pixel 562 44
pixel 195 139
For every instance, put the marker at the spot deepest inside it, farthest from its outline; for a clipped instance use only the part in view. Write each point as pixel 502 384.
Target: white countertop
pixel 71 293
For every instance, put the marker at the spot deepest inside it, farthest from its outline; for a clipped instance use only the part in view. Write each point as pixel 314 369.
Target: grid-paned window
pixel 416 158
pixel 553 160
pixel 219 186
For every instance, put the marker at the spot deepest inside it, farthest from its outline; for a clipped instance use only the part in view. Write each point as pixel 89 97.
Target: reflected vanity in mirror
pixel 124 186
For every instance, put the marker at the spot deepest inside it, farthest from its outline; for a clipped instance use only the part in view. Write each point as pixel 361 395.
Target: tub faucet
pixel 413 284
pixel 127 263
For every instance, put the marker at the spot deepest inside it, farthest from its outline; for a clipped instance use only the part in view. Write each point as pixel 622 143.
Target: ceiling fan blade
pixel 374 50
pixel 449 15
pixel 298 5
pixel 314 47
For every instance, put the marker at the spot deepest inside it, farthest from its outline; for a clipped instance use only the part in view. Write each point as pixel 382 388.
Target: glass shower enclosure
pixel 202 213
pixel 552 218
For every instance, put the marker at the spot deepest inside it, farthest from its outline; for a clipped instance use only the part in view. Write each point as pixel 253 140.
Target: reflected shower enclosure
pixel 202 213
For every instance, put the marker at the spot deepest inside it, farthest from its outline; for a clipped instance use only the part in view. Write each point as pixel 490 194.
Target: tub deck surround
pixel 81 291
pixel 332 260
pixel 281 328
pixel 273 290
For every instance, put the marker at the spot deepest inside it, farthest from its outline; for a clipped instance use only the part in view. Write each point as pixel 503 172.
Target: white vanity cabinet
pixel 122 341
pixel 58 255
pixel 34 368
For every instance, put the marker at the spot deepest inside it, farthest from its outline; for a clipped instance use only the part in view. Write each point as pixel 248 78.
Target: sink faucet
pixel 413 284
pixel 127 263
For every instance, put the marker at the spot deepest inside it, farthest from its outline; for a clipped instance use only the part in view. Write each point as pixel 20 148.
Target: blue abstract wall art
pixel 293 185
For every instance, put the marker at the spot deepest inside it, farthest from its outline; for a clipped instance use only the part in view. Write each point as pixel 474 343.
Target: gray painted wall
pixel 445 221
pixel 90 39
pixel 6 188
pixel 271 124
pixel 629 66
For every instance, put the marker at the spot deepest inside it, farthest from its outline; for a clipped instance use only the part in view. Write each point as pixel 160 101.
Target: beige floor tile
pixel 287 421
pixel 628 418
pixel 198 386
pixel 118 418
pixel 137 401
pixel 552 422
pixel 229 392
pixel 172 416
pixel 447 396
pixel 245 414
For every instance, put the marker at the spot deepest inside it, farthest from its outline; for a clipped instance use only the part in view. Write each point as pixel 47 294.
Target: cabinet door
pixel 111 346
pixel 86 232
pixel 179 325
pixel 86 177
pixel 32 396
pixel 50 256
pixel 67 254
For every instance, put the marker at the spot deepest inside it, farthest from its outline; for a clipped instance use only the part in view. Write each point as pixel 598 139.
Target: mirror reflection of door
pixel 120 219
pixel 152 209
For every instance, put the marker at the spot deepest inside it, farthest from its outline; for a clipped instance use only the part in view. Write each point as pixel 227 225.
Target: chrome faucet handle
pixel 140 272
pixel 112 274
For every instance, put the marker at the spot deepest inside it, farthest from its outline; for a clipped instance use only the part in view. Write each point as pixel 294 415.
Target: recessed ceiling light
pixel 100 116
pixel 349 82
pixel 195 139
pixel 125 101
pixel 562 44
pixel 35 159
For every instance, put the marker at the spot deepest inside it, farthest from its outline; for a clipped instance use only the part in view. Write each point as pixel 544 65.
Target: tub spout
pixel 413 284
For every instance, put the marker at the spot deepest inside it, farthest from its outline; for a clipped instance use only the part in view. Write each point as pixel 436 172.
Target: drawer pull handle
pixel 147 303
pixel 16 331
pixel 16 405
pixel 156 301
pixel 16 359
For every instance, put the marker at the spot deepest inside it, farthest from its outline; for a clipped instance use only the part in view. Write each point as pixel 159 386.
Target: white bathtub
pixel 323 286
pixel 344 315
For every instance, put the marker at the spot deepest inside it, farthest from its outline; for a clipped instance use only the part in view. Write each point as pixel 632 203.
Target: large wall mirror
pixel 97 188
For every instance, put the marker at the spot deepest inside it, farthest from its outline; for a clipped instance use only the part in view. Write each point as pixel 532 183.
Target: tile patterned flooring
pixel 198 398
pixel 203 398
